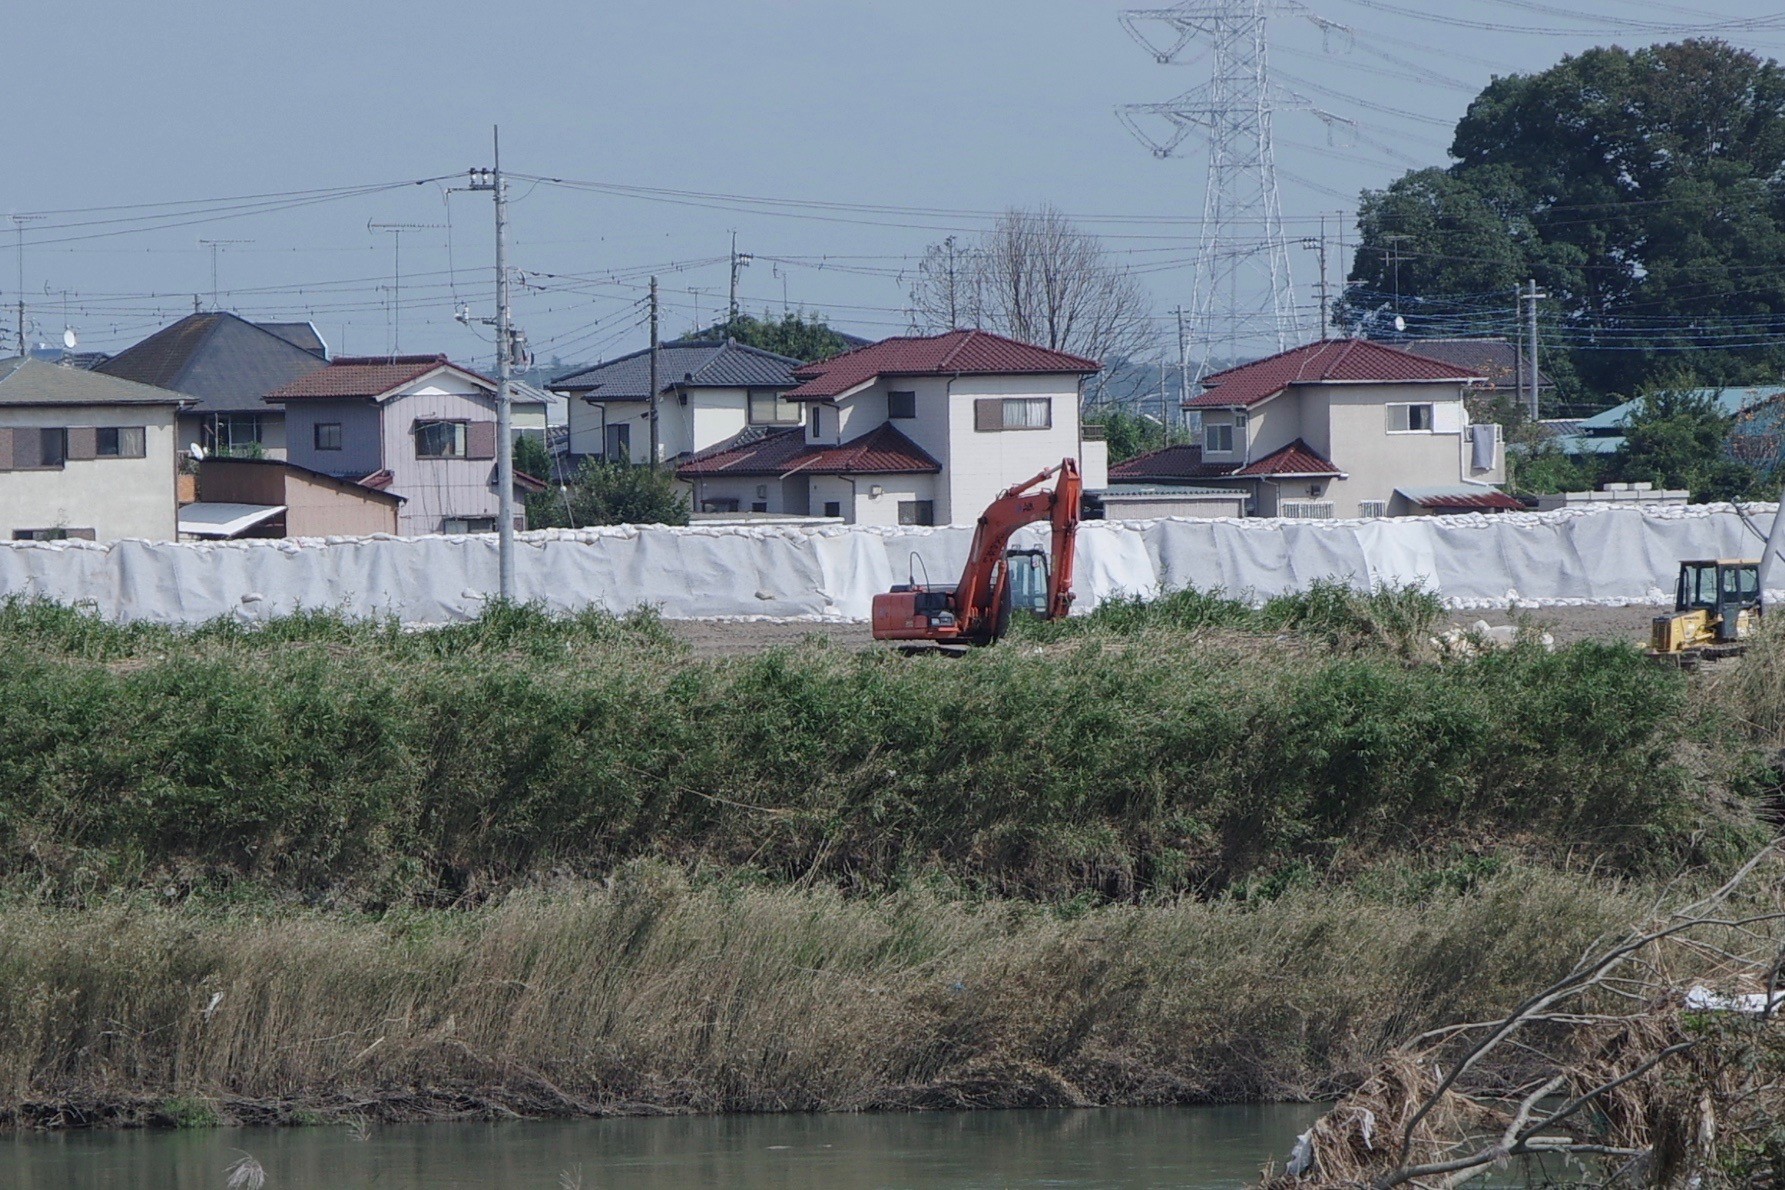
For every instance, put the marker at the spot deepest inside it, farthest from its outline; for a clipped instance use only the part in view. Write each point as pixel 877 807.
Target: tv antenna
pixel 215 246
pixel 395 231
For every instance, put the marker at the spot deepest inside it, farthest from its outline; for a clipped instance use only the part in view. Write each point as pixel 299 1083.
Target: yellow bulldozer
pixel 1716 606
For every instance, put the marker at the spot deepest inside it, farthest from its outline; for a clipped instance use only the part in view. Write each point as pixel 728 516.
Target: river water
pixel 1194 1147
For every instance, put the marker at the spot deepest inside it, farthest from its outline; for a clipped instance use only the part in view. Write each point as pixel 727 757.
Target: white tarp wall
pixel 1600 554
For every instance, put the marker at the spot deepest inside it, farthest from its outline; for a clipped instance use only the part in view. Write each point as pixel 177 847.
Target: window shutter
pixel 5 449
pixel 81 535
pixel 988 413
pixel 480 440
pixel 83 442
pixel 27 448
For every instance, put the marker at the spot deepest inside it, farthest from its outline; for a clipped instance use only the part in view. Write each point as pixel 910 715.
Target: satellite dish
pixel 1400 323
pixel 69 339
pixel 198 453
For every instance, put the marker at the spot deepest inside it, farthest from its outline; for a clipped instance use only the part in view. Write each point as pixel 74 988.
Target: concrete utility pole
pixel 738 261
pixel 656 448
pixel 491 180
pixel 1183 369
pixel 1319 247
pixel 1532 295
pixel 18 224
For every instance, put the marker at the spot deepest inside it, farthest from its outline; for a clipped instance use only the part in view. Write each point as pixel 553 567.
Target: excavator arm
pixel 974 611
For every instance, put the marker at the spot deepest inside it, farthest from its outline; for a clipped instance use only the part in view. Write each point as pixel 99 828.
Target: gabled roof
pixel 1169 464
pixel 1496 360
pixel 968 353
pixel 689 365
pixel 370 377
pixel 1464 497
pixel 881 451
pixel 302 335
pixel 1295 460
pixel 225 362
pixel 34 382
pixel 1330 361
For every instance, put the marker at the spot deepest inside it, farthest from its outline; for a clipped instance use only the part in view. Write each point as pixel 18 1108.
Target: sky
pixel 272 141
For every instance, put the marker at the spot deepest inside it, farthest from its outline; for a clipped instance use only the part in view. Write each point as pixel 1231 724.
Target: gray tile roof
pixel 693 365
pixel 298 334
pixel 34 382
pixel 227 363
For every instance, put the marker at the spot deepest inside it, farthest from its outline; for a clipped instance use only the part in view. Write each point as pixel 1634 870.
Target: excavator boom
pixel 976 610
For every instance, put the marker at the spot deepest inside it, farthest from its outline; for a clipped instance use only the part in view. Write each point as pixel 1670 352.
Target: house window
pixel 328 435
pixel 901 405
pixel 833 508
pixel 1410 419
pixel 817 422
pixel 1013 413
pixel 917 512
pixel 53 535
pixel 441 440
pixel 770 408
pixel 468 524
pixel 52 448
pixel 719 505
pixel 760 506
pixel 619 444
pixel 235 431
pixel 120 442
pixel 1372 508
pixel 1218 438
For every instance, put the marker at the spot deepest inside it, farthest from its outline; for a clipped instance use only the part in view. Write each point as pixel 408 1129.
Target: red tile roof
pixel 881 451
pixel 1168 465
pixel 366 376
pixel 1331 361
pixel 1298 458
pixel 973 353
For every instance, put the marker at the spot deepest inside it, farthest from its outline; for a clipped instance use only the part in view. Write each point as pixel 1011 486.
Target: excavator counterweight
pixel 976 610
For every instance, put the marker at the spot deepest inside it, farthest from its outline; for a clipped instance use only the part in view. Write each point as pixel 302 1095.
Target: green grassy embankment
pixel 1183 852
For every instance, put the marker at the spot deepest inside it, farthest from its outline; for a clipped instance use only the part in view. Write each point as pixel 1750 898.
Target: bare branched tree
pixel 1036 277
pixel 1658 1060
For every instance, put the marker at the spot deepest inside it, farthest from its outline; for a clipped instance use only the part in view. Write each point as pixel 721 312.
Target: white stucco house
pixel 418 426
pixel 1338 428
pixel 922 430
pixel 85 455
pixel 707 393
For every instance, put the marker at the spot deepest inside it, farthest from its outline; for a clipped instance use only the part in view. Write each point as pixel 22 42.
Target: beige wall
pixel 116 498
pixel 1137 508
pixel 316 508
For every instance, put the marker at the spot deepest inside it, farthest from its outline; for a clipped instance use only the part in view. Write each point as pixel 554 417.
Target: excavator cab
pixel 1028 580
pixel 1716 605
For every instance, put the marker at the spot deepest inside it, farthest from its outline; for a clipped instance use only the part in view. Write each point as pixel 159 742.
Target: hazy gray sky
pixel 966 106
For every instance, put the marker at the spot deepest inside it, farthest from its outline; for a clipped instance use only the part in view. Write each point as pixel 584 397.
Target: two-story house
pixel 418 426
pixel 225 364
pixel 1338 428
pixel 84 455
pixel 707 393
pixel 912 430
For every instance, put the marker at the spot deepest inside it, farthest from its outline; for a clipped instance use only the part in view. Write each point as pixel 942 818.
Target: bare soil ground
pixel 708 638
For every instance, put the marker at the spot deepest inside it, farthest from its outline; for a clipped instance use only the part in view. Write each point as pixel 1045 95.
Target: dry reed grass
pixel 650 995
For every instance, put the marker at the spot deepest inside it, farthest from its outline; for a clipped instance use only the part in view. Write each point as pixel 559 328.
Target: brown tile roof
pixel 976 353
pixel 881 451
pixel 1171 464
pixel 1298 458
pixel 365 376
pixel 1327 362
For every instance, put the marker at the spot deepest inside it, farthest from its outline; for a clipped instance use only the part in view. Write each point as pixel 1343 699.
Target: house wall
pixel 436 489
pixel 1376 460
pixel 982 463
pixel 710 417
pixel 362 442
pixel 227 481
pixel 315 508
pixel 588 426
pixel 1137 508
pixel 115 498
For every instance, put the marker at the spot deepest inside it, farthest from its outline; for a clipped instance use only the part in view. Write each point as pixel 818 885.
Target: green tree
pixel 802 336
pixel 1680 439
pixel 1638 187
pixel 1130 434
pixel 609 494
pixel 531 456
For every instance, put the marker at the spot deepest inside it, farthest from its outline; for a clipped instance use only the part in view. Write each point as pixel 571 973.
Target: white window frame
pixel 1401 417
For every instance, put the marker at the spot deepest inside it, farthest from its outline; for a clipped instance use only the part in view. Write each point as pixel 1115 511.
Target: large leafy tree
pixel 799 335
pixel 1643 189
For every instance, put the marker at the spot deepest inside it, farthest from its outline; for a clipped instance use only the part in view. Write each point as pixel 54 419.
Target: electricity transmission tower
pixel 1243 288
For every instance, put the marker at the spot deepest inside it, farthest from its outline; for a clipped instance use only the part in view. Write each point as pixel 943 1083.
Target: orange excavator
pixel 976 610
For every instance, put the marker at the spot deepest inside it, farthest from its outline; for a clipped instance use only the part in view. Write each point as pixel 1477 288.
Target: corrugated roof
pixel 1462 497
pixel 691 365
pixel 34 382
pixel 1331 361
pixel 881 451
pixel 973 353
pixel 226 363
pixel 367 377
pixel 1298 458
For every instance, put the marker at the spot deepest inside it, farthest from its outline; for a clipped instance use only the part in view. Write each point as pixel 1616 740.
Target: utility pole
pixel 655 448
pixel 491 180
pixel 395 231
pixel 1532 295
pixel 738 261
pixel 1319 246
pixel 18 224
pixel 1183 368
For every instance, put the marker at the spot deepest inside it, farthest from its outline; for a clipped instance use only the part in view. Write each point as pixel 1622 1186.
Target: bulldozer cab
pixel 1716 605
pixel 1718 586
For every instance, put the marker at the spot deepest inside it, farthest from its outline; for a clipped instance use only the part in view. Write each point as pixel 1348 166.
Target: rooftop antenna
pixel 18 224
pixel 395 231
pixel 215 246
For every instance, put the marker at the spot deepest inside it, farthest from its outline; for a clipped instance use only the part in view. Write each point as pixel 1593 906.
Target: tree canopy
pixel 803 337
pixel 1644 191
